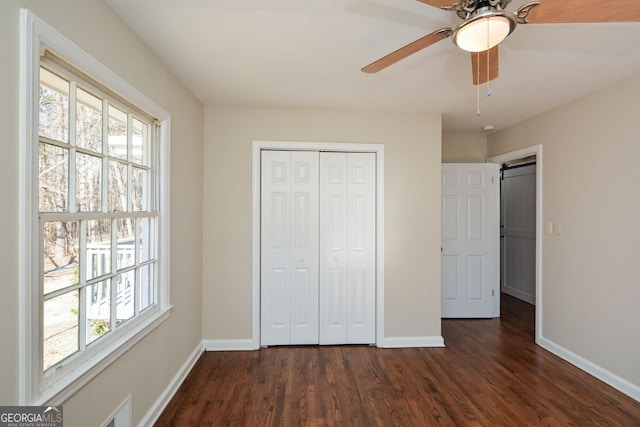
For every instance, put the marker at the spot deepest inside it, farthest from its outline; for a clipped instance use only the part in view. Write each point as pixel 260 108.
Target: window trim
pixel 36 37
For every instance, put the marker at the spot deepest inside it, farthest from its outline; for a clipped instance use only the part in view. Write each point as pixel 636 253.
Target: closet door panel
pixel 333 248
pixel 361 314
pixel 304 244
pixel 347 248
pixel 289 250
pixel 275 247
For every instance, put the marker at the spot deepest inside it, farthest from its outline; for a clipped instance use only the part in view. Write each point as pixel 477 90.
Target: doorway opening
pixel 518 229
pixel 518 243
pixel 521 229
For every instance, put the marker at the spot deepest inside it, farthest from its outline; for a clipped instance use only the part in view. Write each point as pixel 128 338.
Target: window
pixel 98 228
pixel 94 262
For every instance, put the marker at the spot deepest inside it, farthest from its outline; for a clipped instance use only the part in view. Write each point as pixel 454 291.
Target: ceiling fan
pixel 486 23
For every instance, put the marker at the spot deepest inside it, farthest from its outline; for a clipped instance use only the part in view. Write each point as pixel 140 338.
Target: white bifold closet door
pixel 289 224
pixel 317 248
pixel 347 248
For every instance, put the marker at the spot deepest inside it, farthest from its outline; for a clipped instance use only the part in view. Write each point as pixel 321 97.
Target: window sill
pixel 69 384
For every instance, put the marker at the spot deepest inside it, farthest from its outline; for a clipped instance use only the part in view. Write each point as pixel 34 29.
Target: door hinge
pixel 493 293
pixel 493 179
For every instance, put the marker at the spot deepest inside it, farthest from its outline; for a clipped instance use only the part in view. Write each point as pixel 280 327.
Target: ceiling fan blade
pixel 443 4
pixel 407 50
pixel 579 11
pixel 479 66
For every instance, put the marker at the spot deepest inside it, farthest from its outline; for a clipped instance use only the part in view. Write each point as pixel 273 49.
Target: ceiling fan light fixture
pixel 484 30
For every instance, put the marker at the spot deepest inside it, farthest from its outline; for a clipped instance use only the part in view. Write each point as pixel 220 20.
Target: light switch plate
pixel 557 228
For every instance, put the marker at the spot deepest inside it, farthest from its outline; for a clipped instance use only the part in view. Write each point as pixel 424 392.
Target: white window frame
pixel 36 35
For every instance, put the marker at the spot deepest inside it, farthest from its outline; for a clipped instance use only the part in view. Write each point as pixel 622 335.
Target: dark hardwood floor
pixel 490 374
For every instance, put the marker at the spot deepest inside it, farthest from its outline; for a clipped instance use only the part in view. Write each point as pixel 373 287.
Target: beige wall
pixel 591 273
pixel 464 147
pixel 412 209
pixel 9 196
pixel 147 368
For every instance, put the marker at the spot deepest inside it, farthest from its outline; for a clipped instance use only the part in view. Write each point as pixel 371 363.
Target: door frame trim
pixel 257 147
pixel 514 155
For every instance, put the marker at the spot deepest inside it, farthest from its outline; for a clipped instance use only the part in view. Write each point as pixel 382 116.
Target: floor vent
pixel 121 417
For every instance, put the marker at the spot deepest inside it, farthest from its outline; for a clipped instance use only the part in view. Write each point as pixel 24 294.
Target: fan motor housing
pixel 465 8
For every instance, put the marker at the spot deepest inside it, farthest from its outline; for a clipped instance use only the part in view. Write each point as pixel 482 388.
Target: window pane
pixel 126 243
pixel 53 117
pixel 88 183
pixel 98 248
pixel 88 121
pixel 60 255
pixel 60 328
pixel 146 286
pixel 139 190
pixel 145 239
pixel 98 310
pixel 117 191
pixel 125 297
pixel 53 178
pixel 117 133
pixel 139 142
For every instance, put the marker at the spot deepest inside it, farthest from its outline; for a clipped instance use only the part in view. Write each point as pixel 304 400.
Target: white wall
pixel 591 273
pixel 147 368
pixel 412 209
pixel 464 147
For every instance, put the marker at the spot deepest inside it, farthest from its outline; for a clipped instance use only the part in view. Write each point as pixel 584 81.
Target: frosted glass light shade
pixel 484 31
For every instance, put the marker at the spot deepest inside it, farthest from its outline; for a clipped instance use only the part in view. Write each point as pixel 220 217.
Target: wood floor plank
pixel 491 373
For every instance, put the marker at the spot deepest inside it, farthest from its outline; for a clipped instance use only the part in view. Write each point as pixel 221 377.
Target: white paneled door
pixel 289 253
pixel 347 248
pixel 469 240
pixel 317 248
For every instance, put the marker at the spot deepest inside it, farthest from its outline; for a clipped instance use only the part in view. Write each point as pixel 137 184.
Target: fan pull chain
pixel 488 92
pixel 478 87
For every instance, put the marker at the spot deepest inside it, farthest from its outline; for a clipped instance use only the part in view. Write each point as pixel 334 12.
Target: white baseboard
pixel 229 345
pixel 165 397
pixel 615 381
pixel 393 342
pixel 407 342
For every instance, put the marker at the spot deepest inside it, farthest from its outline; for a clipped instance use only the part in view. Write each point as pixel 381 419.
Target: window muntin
pixel 94 190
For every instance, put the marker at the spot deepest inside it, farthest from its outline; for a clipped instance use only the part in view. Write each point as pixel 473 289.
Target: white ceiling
pixel 308 54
